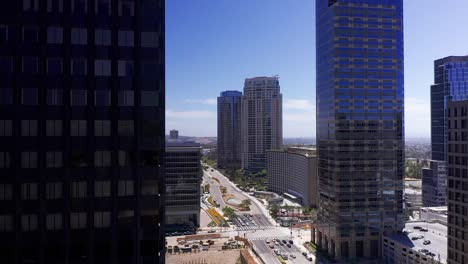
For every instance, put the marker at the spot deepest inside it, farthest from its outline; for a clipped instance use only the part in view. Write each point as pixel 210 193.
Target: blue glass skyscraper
pixel 450 84
pixel 360 125
pixel 229 114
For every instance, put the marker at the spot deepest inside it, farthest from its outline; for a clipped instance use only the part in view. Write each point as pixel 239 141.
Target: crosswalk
pixel 261 238
pixel 246 228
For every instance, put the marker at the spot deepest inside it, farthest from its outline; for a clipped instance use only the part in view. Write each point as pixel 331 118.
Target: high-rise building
pixel 261 121
pixel 174 134
pixel 457 167
pixel 81 131
pixel 434 184
pixel 450 84
pixel 183 178
pixel 293 173
pixel 360 130
pixel 229 131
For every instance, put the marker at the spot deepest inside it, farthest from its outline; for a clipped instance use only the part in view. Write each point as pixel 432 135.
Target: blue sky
pixel 213 45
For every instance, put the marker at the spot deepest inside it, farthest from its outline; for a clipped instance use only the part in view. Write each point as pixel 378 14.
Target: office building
pixel 457 167
pixel 261 121
pixel 434 184
pixel 360 128
pixel 293 173
pixel 229 131
pixel 450 84
pixel 81 131
pixel 183 179
pixel 419 243
pixel 174 134
pixel 434 214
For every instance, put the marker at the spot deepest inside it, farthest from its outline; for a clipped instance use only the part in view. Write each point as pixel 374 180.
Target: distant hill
pixel 202 140
pixel 299 141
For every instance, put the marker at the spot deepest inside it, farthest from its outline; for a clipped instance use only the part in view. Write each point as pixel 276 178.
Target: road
pixel 267 254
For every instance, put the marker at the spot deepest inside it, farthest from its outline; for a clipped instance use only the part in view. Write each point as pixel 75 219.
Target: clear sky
pixel 213 45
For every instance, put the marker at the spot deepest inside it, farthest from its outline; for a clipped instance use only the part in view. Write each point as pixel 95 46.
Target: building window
pixel 54 66
pixel 29 65
pixel 54 159
pixel 78 220
pixel 126 8
pixel 6 192
pixel 102 68
pixel 54 221
pixel 126 68
pixel 78 97
pixel 126 98
pixel 79 36
pixel 126 38
pixel 102 189
pixel 6 96
pixel 55 6
pixel 149 39
pixel 4 160
pixel 102 37
pixel 6 64
pixel 125 158
pixel 29 191
pixel 28 160
pixel 78 128
pixel 149 98
pixel 30 34
pixel 53 190
pixel 54 128
pixel 102 98
pixel 150 187
pixel 6 223
pixel 54 35
pixel 30 5
pixel 29 222
pixel 29 96
pixel 103 7
pixel 78 189
pixel 6 128
pixel 54 97
pixel 102 158
pixel 125 188
pixel 78 159
pixel 79 6
pixel 28 128
pixel 102 219
pixel 102 128
pixel 126 128
pixel 3 33
pixel 79 67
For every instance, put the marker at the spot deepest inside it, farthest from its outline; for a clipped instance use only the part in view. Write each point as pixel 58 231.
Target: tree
pixel 229 212
pixel 274 209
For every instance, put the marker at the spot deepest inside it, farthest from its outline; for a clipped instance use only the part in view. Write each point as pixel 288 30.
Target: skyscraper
pixel 457 165
pixel 434 184
pixel 360 130
pixel 229 131
pixel 450 84
pixel 81 131
pixel 261 121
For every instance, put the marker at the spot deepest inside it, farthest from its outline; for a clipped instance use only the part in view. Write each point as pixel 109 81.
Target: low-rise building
pixel 434 214
pixel 420 242
pixel 293 173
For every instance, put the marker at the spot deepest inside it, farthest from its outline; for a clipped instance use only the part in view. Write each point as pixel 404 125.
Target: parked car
pixel 416 227
pixel 304 254
pixel 289 245
pixel 291 242
pixel 292 256
pixel 423 230
pixel 285 257
pixel 426 242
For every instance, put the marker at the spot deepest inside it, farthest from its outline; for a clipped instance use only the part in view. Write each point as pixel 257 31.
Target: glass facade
pixel 450 84
pixel 74 162
pixel 229 114
pixel 360 125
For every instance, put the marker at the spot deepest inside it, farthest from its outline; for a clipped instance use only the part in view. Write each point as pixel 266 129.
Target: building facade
pixel 229 131
pixel 261 121
pixel 360 128
pixel 183 179
pixel 174 134
pixel 82 131
pixel 457 165
pixel 294 172
pixel 450 84
pixel 434 184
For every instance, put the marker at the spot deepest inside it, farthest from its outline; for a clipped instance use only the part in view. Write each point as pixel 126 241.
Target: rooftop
pixel 436 234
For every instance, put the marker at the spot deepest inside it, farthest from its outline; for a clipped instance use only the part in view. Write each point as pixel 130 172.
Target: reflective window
pixel 29 96
pixel 102 158
pixel 28 128
pixel 6 96
pixel 149 98
pixel 78 128
pixel 54 97
pixel 79 67
pixel 79 6
pixel 79 36
pixel 149 39
pixel 102 37
pixel 78 220
pixel 53 190
pixel 126 8
pixel 54 221
pixel 53 128
pixel 30 65
pixel 4 160
pixel 30 34
pixel 6 192
pixel 78 189
pixel 6 64
pixel 54 66
pixel 102 68
pixel 78 97
pixel 125 158
pixel 126 128
pixel 54 159
pixel 3 33
pixel 55 6
pixel 6 128
pixel 103 7
pixel 102 189
pixel 126 98
pixel 29 222
pixel 28 160
pixel 54 35
pixel 6 223
pixel 30 5
pixel 29 191
pixel 102 128
pixel 126 38
pixel 126 68
pixel 149 187
pixel 102 97
pixel 102 219
pixel 125 188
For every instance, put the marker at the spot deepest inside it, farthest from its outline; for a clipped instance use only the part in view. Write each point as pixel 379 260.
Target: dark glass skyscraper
pixel 229 130
pixel 360 130
pixel 450 84
pixel 81 131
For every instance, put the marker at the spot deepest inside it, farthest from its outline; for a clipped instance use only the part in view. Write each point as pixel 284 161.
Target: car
pixel 276 243
pixel 417 227
pixel 291 242
pixel 423 250
pixel 288 245
pixel 285 257
pixel 423 230
pixel 304 254
pixel 426 242
pixel 212 231
pixel 268 241
pixel 292 256
pixel 284 241
pixel 309 257
pixel 272 246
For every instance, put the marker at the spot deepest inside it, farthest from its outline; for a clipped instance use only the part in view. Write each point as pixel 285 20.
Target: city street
pixel 269 256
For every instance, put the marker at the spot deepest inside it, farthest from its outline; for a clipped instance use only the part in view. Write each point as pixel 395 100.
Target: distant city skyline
pixel 244 39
